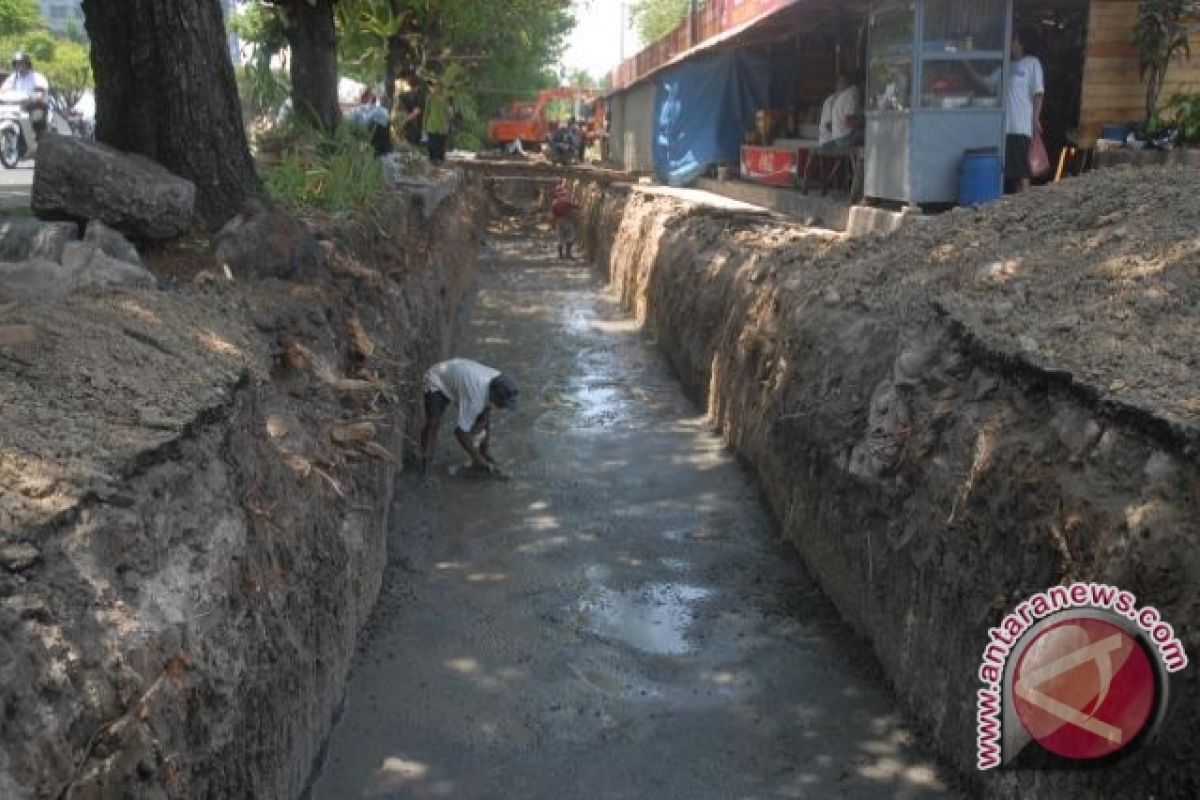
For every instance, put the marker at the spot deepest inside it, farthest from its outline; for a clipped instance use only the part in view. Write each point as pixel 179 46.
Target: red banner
pixel 738 12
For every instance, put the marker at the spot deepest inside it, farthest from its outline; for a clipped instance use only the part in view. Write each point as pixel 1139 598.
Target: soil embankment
pixel 196 487
pixel 950 419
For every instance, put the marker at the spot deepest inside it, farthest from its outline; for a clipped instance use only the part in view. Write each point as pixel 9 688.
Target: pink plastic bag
pixel 1039 159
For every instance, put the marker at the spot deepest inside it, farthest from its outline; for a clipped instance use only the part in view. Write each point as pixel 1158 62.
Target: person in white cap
pixel 473 389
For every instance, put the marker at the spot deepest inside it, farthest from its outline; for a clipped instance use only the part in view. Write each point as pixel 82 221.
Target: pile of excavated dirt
pixel 1096 280
pixel 194 495
pixel 954 417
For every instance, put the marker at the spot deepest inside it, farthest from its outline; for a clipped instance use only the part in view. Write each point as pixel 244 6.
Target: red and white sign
pixel 1084 689
pixel 772 165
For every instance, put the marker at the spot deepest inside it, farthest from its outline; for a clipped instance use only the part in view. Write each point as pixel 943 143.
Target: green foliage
pixel 1182 111
pixel 260 24
pixel 333 173
pixel 19 16
pixel 70 69
pixel 503 48
pixel 654 19
pixel 66 63
pixel 262 88
pixel 1162 34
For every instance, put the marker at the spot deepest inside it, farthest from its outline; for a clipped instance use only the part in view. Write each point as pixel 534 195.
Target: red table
pixel 774 166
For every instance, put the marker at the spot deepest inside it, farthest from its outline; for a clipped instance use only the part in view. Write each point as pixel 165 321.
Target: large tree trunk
pixel 313 39
pixel 165 88
pixel 391 70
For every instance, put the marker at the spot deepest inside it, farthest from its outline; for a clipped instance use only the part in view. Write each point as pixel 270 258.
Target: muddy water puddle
pixel 654 618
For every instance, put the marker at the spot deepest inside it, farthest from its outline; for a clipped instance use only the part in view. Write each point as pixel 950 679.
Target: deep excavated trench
pixel 618 623
pixel 191 543
pixel 619 620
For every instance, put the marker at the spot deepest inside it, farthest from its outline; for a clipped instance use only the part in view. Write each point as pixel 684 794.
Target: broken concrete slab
pixel 260 243
pixel 22 238
pixel 104 270
pixel 83 266
pixel 112 242
pixel 82 180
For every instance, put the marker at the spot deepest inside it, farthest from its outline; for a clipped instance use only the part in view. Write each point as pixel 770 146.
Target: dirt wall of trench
pixel 196 491
pixel 931 468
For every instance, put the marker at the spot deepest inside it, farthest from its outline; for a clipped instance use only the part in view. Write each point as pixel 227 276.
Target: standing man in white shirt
pixel 23 80
pixel 1024 93
pixel 473 389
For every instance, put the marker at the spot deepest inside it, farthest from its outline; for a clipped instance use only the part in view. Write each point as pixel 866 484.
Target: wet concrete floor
pixel 617 621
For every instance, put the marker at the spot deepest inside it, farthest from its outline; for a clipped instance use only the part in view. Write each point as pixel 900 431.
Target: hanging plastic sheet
pixel 703 109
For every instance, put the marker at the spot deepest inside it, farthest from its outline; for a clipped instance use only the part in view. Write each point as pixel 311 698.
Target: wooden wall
pixel 1112 89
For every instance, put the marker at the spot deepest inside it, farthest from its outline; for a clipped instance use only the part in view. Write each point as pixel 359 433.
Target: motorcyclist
pixel 24 80
pixel 28 87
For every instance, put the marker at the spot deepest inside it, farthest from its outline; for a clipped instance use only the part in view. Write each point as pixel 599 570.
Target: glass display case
pixel 935 88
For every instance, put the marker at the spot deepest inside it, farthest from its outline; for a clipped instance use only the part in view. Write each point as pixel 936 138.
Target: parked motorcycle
pixel 23 121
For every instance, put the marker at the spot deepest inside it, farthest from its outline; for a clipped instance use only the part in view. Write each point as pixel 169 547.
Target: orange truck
pixel 528 121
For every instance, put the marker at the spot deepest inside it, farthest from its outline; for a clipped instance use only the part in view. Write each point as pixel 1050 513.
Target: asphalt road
pixel 15 185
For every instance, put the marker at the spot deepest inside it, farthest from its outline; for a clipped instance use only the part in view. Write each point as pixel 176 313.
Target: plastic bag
pixel 1039 159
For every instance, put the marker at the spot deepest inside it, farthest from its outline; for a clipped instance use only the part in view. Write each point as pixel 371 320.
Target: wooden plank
pixel 1112 91
pixel 1112 50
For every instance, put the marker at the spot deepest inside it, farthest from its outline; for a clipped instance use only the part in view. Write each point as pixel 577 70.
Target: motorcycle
pixel 24 120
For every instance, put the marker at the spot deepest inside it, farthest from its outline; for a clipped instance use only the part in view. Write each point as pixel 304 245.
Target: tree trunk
pixel 393 65
pixel 165 89
pixel 314 65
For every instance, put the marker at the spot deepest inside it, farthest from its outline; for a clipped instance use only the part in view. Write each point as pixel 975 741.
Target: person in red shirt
pixel 562 211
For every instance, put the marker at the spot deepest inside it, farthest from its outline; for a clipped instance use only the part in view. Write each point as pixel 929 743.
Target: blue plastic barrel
pixel 981 177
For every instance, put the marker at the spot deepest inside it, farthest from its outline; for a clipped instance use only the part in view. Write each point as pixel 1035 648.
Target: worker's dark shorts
pixel 1016 157
pixel 436 404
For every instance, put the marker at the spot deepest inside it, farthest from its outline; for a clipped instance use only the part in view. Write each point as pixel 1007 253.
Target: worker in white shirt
pixel 473 389
pixel 24 81
pixel 841 116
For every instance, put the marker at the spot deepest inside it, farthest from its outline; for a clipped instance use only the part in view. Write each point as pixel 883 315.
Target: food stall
pixel 934 92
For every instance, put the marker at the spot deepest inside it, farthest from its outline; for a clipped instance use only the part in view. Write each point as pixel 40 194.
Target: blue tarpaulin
pixel 702 111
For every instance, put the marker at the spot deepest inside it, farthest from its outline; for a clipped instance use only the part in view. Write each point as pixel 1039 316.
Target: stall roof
pixel 779 19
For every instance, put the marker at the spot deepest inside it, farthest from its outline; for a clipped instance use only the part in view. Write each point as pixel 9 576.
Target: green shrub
pixel 304 170
pixel 1183 111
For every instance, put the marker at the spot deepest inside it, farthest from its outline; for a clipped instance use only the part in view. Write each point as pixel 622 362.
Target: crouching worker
pixel 562 211
pixel 473 390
